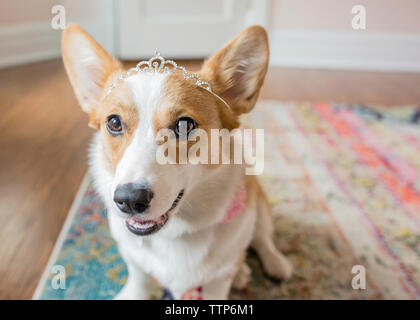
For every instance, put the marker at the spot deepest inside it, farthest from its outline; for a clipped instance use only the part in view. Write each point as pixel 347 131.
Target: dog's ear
pixel 87 64
pixel 237 71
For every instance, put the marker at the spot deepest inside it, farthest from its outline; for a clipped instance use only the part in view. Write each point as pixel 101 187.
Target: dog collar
pixel 236 206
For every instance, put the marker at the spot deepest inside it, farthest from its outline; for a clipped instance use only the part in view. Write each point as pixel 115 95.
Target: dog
pixel 167 219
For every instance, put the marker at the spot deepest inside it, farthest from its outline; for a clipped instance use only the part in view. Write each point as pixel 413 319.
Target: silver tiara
pixel 158 64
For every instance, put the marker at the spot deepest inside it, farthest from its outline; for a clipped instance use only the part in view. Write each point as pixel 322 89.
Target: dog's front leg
pixel 137 286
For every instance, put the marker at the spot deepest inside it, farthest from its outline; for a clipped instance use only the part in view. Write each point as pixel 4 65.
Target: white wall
pixel 318 33
pixel 96 17
pixel 390 16
pixel 19 12
pixel 26 34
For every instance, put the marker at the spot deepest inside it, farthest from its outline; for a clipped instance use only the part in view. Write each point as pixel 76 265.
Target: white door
pixel 182 28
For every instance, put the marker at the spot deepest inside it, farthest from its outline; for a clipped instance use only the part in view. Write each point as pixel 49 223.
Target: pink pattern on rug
pixel 405 193
pixel 406 172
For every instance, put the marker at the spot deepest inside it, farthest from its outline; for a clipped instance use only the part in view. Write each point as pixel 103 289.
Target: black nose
pixel 132 198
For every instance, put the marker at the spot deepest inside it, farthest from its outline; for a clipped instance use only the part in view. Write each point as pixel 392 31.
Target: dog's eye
pixel 184 125
pixel 114 125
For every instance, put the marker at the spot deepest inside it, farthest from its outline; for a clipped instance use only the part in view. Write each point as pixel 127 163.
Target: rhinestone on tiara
pixel 158 64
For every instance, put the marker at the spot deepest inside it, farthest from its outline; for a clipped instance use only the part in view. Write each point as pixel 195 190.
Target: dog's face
pixel 133 116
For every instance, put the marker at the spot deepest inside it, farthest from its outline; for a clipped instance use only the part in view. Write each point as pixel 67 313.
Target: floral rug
pixel 344 182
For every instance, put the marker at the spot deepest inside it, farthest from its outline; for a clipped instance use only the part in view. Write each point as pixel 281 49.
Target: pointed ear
pixel 87 64
pixel 238 70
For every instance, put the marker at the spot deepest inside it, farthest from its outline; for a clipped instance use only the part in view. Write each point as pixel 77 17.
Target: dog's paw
pixel 242 277
pixel 278 266
pixel 130 293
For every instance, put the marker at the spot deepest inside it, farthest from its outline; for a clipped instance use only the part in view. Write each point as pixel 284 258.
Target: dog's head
pixel 131 118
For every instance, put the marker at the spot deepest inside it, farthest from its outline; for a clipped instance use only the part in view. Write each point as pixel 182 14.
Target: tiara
pixel 158 64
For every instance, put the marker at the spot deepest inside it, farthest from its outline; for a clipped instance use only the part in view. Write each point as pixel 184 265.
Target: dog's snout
pixel 132 198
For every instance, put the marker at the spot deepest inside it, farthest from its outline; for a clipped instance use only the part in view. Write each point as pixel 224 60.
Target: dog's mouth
pixel 142 227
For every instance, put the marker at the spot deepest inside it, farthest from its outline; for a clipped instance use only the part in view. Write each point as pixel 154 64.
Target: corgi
pixel 169 221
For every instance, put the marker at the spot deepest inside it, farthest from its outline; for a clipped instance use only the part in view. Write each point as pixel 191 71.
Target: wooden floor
pixel 44 138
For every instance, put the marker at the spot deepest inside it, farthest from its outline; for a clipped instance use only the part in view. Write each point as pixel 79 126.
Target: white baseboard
pixel 357 50
pixel 28 43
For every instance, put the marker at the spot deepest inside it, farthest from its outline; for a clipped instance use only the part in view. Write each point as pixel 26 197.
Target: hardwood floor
pixel 44 139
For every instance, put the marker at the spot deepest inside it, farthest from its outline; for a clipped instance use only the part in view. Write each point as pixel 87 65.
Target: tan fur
pixel 239 85
pixel 118 103
pixel 109 64
pixel 183 98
